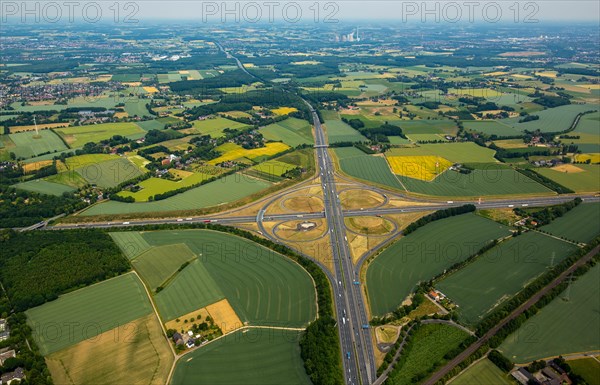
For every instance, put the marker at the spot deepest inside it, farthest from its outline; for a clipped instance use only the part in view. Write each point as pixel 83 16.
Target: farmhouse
pixel 9 377
pixel 546 376
pixel 6 355
pixel 177 338
pixel 434 295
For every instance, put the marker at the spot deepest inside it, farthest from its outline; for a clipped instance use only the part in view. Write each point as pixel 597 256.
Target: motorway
pixel 357 348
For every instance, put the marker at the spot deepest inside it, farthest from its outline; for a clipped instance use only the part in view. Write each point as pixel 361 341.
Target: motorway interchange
pixel 354 332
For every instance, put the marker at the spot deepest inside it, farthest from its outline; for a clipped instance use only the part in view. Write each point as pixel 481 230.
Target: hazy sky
pixel 467 11
pixel 454 11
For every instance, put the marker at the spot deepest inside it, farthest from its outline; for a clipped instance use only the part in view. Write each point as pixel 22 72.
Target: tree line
pixel 440 214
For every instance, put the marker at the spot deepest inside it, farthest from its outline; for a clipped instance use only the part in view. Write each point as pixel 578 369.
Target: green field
pixel 501 272
pixel 484 372
pixel 136 106
pixel 561 327
pixel 215 126
pixel 338 131
pixel 465 152
pixel 393 274
pixel 88 312
pixel 430 343
pixel 357 164
pixel 588 368
pixel 192 289
pixel 491 127
pixel 552 119
pixel 398 140
pixel 153 186
pixel 256 356
pixel 88 159
pixel 158 264
pixel 588 124
pixel 587 180
pixel 44 187
pixel 67 178
pixel 131 243
pixel 261 286
pixel 28 144
pixel 77 136
pixel 225 190
pixel 271 170
pixel 153 124
pixel 492 181
pixel 109 173
pixel 581 224
pixel 291 131
pixel 411 127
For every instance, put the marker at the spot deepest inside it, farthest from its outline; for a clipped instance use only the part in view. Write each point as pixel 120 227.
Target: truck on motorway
pixel 365 326
pixel 125 223
pixel 348 355
pixel 356 283
pixel 344 320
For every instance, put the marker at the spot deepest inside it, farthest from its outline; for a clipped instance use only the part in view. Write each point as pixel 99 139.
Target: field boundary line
pixel 241 329
pixel 387 162
pixel 569 356
pixel 556 237
pixel 162 327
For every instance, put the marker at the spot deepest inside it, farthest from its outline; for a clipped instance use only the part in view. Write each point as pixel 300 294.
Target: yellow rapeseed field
pixel 425 167
pixel 283 110
pixel 594 158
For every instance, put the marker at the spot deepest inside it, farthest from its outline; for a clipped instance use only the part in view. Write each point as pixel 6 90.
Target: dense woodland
pixel 38 266
pixel 19 208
